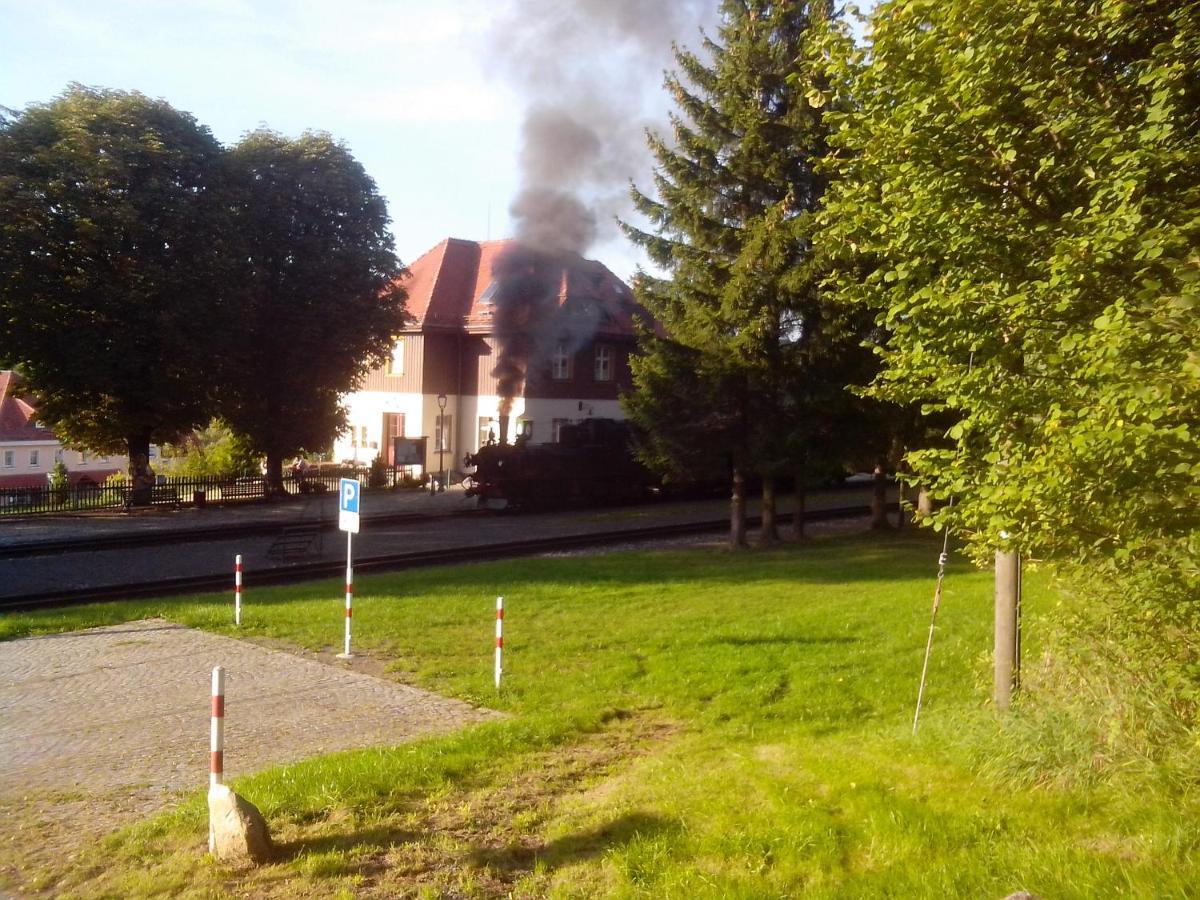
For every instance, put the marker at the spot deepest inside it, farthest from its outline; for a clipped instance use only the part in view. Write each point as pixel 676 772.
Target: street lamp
pixel 441 441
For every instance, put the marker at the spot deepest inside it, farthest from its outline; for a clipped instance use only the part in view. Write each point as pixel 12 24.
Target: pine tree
pixel 732 225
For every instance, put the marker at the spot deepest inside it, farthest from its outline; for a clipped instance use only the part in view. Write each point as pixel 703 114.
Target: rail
pixel 306 571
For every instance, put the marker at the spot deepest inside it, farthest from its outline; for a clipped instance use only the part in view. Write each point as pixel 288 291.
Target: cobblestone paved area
pixel 127 707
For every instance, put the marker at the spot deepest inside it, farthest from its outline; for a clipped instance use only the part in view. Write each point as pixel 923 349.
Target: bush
pixel 377 477
pixel 378 474
pixel 58 480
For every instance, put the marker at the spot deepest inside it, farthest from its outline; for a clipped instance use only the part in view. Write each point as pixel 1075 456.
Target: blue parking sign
pixel 349 491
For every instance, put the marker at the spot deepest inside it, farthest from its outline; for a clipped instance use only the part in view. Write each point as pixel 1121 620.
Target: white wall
pixel 366 409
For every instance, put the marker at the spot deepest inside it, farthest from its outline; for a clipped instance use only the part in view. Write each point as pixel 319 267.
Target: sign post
pixel 349 492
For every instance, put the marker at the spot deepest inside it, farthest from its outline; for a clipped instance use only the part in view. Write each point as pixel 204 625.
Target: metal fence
pixel 176 492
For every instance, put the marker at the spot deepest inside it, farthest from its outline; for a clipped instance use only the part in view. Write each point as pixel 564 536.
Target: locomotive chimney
pixel 504 429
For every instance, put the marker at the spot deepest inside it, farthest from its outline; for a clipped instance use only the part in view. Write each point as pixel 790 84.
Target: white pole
pixel 349 593
pixel 499 637
pixel 237 589
pixel 216 767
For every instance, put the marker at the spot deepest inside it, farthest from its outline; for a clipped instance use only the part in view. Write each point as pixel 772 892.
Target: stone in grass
pixel 1022 895
pixel 237 832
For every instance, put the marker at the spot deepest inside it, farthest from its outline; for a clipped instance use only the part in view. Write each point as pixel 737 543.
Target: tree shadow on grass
pixel 767 640
pixel 515 860
pixel 381 837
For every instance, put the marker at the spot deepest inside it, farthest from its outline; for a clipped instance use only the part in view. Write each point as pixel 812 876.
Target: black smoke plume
pixel 591 74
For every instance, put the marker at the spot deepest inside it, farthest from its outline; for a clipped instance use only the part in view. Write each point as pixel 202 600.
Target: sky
pixel 418 91
pixel 431 96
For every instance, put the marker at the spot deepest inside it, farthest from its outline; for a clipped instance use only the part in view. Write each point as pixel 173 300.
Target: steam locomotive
pixel 592 464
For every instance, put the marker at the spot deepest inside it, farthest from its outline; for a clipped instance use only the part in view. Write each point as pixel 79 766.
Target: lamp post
pixel 441 441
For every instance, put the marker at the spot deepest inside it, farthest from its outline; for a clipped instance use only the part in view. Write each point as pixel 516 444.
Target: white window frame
pixel 562 363
pixel 9 459
pixel 487 425
pixel 603 368
pixel 395 364
pixel 441 436
pixel 35 459
pixel 556 428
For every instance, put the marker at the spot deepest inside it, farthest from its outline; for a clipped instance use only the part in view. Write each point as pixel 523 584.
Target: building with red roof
pixel 571 348
pixel 29 450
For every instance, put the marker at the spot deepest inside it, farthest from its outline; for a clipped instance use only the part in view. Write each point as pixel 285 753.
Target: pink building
pixel 28 451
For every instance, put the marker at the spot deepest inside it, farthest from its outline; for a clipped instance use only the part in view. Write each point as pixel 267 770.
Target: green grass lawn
pixel 683 724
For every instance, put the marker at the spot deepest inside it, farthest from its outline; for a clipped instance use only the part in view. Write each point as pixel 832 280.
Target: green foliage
pixel 318 298
pixel 755 358
pixel 112 229
pixel 211 452
pixel 1024 178
pixel 58 479
pixel 377 475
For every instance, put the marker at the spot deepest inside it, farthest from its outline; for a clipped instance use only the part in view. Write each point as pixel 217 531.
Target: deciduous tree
pixel 1027 176
pixel 112 266
pixel 318 299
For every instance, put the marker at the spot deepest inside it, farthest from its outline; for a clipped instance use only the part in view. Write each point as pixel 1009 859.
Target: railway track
pixel 215 533
pixel 306 571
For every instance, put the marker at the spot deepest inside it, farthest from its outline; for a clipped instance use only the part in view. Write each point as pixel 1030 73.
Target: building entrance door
pixel 393 427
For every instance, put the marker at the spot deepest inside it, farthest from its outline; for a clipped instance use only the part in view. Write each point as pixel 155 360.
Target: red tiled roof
pixel 18 419
pixel 447 284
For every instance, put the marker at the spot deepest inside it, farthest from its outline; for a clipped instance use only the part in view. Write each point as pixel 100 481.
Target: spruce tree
pixel 732 226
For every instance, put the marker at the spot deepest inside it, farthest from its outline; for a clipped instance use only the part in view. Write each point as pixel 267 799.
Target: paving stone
pixel 127 707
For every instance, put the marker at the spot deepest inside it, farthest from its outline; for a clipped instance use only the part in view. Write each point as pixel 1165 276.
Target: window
pixel 8 459
pixel 395 365
pixel 441 440
pixel 557 427
pixel 525 429
pixel 604 356
pixel 362 436
pixel 58 456
pixel 561 363
pixel 487 430
pixel 35 458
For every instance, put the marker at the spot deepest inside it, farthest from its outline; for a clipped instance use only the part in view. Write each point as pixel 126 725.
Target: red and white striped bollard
pixel 237 589
pixel 499 637
pixel 216 765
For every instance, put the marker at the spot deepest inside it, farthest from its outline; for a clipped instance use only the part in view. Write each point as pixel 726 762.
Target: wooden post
pixel 1007 574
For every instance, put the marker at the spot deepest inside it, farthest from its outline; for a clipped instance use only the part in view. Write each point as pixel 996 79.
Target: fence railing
pixel 177 491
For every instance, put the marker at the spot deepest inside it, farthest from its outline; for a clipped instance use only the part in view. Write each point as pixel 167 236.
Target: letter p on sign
pixel 348 494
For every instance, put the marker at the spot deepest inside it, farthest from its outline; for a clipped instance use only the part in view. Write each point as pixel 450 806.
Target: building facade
pixel 29 451
pixel 575 369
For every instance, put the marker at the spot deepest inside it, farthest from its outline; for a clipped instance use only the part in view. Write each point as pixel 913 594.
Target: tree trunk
pixel 798 525
pixel 879 518
pixel 924 504
pixel 737 511
pixel 770 528
pixel 141 477
pixel 274 474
